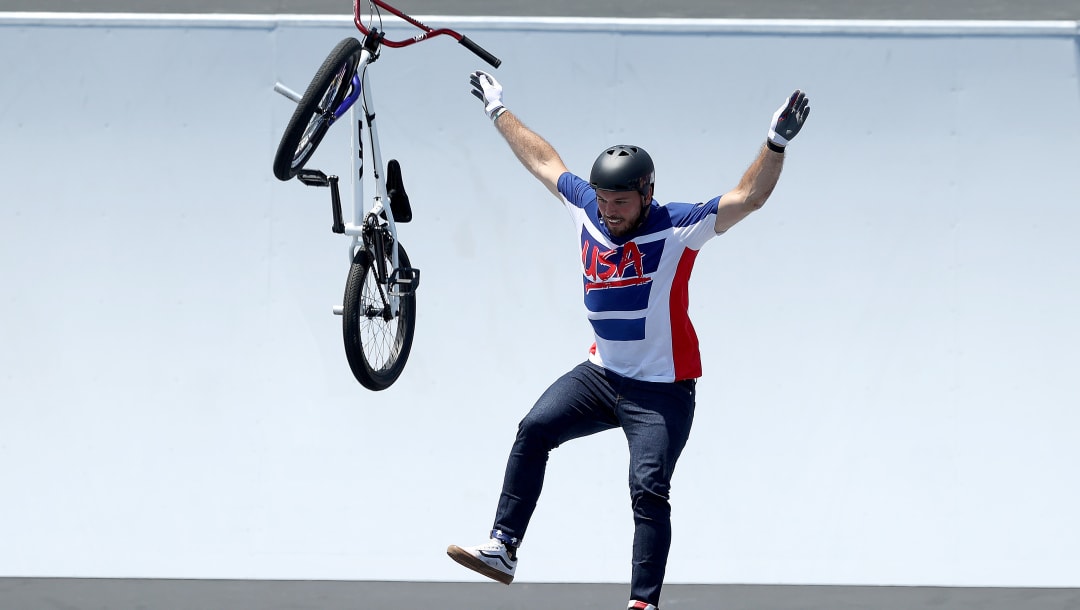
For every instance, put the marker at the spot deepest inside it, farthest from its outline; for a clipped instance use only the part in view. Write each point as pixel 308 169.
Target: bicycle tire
pixel 311 119
pixel 377 349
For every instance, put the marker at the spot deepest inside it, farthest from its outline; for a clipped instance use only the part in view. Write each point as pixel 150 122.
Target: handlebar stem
pixel 426 32
pixel 373 39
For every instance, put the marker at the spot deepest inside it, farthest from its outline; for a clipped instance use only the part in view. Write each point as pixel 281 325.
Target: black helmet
pixel 623 168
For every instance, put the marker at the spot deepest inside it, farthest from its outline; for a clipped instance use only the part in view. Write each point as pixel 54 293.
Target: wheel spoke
pixel 381 339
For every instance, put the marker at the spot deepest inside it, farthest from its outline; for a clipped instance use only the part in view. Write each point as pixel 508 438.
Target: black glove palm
pixel 789 119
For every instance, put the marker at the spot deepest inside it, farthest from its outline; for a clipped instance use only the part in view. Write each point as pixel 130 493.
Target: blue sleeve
pixel 577 191
pixel 687 214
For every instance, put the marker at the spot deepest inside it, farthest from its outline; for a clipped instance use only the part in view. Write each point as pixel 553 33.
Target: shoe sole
pixel 466 559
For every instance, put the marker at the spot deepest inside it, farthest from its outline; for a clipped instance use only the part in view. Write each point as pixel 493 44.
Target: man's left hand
pixel 789 119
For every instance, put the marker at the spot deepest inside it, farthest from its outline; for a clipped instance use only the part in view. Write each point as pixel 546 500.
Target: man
pixel 640 376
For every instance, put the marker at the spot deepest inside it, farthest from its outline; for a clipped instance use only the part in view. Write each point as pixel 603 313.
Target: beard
pixel 619 227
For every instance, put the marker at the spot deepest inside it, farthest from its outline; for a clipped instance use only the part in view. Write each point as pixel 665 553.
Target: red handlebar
pixel 427 32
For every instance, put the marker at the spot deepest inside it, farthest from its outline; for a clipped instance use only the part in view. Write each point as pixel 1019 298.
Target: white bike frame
pixel 360 113
pixel 393 284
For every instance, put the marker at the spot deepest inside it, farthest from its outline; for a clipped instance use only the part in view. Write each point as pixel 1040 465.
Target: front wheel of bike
pixel 315 111
pixel 377 338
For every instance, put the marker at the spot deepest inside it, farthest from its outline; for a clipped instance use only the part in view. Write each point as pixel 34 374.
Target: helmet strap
pixel 646 205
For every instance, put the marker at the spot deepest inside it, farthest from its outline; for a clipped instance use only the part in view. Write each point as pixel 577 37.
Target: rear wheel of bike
pixel 377 339
pixel 315 112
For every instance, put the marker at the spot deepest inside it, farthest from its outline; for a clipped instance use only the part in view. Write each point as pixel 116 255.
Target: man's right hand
pixel 489 91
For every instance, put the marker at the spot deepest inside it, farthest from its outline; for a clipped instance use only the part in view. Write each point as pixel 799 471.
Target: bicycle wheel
pixel 377 347
pixel 315 112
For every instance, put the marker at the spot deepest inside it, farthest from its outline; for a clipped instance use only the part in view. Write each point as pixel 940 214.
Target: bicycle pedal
pixel 406 280
pixel 313 177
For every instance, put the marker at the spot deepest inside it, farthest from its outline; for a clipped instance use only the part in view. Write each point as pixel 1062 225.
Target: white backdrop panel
pixel 889 346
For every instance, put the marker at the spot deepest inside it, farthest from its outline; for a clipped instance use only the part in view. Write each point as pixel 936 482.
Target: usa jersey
pixel 637 286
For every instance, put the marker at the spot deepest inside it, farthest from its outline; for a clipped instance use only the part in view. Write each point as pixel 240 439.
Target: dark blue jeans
pixel 656 419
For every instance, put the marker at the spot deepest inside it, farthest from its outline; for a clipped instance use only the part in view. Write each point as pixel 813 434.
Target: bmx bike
pixel 379 307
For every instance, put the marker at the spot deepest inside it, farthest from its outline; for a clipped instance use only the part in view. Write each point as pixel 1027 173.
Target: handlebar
pixel 427 32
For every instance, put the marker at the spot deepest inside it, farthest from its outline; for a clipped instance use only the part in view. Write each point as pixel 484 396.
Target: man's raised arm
pixel 760 178
pixel 533 151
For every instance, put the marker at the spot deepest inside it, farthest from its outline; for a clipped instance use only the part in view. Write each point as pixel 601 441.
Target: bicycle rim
pixel 321 118
pixel 314 113
pixel 377 348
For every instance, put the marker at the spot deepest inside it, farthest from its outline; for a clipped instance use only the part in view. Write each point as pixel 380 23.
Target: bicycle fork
pixel 401 281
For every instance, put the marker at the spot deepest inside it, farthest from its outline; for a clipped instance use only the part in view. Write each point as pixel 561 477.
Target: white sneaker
pixel 492 559
pixel 636 605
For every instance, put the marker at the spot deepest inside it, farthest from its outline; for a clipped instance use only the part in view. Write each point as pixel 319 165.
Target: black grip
pixel 480 51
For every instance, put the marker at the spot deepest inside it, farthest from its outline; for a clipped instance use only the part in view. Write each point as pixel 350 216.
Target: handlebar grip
pixel 480 52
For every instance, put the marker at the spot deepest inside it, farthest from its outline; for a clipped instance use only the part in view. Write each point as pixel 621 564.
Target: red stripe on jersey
pixel 684 341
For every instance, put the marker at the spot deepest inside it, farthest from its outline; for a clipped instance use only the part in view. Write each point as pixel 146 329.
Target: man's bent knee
pixel 651 506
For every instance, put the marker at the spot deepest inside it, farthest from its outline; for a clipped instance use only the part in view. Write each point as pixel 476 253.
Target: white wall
pixel 890 345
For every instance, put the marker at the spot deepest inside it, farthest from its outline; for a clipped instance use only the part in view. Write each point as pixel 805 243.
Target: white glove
pixel 489 91
pixel 789 119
